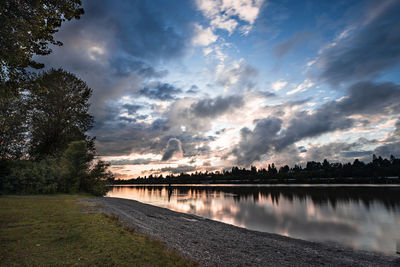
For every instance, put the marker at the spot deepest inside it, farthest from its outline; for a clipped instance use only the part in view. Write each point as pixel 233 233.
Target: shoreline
pixel 213 243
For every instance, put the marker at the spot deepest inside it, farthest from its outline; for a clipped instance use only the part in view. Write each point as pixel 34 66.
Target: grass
pixel 54 230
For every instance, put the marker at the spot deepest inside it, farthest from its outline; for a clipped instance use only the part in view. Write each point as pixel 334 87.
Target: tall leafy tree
pixel 27 28
pixel 13 127
pixel 59 112
pixel 82 172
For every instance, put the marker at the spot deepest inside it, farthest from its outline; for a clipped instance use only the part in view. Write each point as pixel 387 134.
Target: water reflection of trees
pixel 388 196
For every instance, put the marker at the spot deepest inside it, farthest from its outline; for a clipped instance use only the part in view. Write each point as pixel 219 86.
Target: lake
pixel 362 217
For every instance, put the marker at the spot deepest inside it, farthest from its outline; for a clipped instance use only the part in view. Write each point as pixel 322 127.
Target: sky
pixel 204 85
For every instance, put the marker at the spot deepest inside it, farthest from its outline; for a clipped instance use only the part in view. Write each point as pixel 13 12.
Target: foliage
pixel 27 29
pixel 59 112
pixel 44 117
pixel 99 178
pixel 79 175
pixel 53 231
pixel 379 170
pixel 13 126
pixel 28 177
pixel 61 155
pixel 74 172
pixel 75 164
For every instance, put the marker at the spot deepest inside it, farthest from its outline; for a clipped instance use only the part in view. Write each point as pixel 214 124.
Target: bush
pixel 80 173
pixel 28 177
pixel 74 172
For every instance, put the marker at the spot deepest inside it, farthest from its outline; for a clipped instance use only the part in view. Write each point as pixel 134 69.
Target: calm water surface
pixel 366 217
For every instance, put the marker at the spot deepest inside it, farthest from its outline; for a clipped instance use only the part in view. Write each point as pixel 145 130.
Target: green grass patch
pixel 58 230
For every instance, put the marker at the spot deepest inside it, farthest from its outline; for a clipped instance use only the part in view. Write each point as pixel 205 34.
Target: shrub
pixel 76 171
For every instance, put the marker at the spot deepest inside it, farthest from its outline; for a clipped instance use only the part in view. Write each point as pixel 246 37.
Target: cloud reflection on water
pixel 364 218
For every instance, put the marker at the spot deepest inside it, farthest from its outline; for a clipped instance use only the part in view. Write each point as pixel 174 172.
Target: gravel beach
pixel 213 243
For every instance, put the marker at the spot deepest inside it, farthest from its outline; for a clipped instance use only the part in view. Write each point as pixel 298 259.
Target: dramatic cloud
pixel 183 79
pixel 255 143
pixel 356 154
pixel 131 109
pixel 161 91
pixel 388 150
pixel 194 89
pixel 179 169
pixel 364 98
pixel 174 146
pixel 371 98
pixel 213 107
pixel 391 144
pixel 116 137
pixel 195 117
pixel 368 51
pixel 279 85
pixel 301 87
pixel 117 47
pixel 336 152
pixel 203 37
pixel 239 75
pixel 130 162
pixel 226 14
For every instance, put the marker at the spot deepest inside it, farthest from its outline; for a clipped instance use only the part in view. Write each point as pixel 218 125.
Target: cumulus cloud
pixel 258 142
pixel 174 147
pixel 203 37
pixel 279 85
pixel 194 89
pixel 116 137
pixel 194 115
pixel 212 107
pixel 239 76
pixel 123 42
pixel 131 109
pixel 179 169
pixel 130 161
pixel 364 98
pixel 371 98
pixel 301 87
pixel 337 152
pixel 226 14
pixel 391 145
pixel 371 49
pixel 388 149
pixel 160 91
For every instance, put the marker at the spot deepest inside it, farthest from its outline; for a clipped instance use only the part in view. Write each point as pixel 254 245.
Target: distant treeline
pixel 379 170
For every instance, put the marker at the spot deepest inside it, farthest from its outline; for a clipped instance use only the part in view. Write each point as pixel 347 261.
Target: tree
pixel 284 169
pixel 75 163
pixel 80 173
pixel 326 165
pixel 59 106
pixel 27 28
pixel 13 127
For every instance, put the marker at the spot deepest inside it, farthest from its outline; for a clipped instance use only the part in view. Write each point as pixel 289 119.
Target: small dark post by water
pixel 169 192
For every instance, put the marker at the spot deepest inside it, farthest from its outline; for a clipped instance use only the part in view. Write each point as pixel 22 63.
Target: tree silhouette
pixel 379 170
